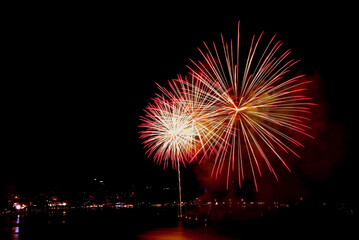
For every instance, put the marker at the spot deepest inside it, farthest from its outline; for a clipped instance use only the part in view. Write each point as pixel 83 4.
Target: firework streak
pixel 214 114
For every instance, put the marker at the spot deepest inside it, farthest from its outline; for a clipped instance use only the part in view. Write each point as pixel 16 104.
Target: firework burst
pixel 170 132
pixel 229 117
pixel 258 113
pixel 177 123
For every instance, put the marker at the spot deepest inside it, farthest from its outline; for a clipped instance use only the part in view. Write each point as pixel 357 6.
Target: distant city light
pixel 19 206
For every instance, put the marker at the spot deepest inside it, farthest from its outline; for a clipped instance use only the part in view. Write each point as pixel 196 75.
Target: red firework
pixel 221 115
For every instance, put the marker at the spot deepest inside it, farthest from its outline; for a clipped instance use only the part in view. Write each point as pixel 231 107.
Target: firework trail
pixel 177 125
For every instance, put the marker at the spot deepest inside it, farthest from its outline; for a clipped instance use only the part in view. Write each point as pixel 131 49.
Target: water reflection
pixel 181 232
pixel 15 230
pixel 106 225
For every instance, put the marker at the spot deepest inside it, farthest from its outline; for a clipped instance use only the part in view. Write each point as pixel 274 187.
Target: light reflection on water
pixel 182 233
pixel 16 229
pixel 106 225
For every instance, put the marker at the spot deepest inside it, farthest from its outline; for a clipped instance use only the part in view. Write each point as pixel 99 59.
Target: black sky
pixel 74 84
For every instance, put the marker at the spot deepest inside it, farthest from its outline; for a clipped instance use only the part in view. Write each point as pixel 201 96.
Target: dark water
pixel 104 224
pixel 149 224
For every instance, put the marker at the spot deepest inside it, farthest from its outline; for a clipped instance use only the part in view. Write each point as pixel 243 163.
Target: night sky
pixel 74 84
